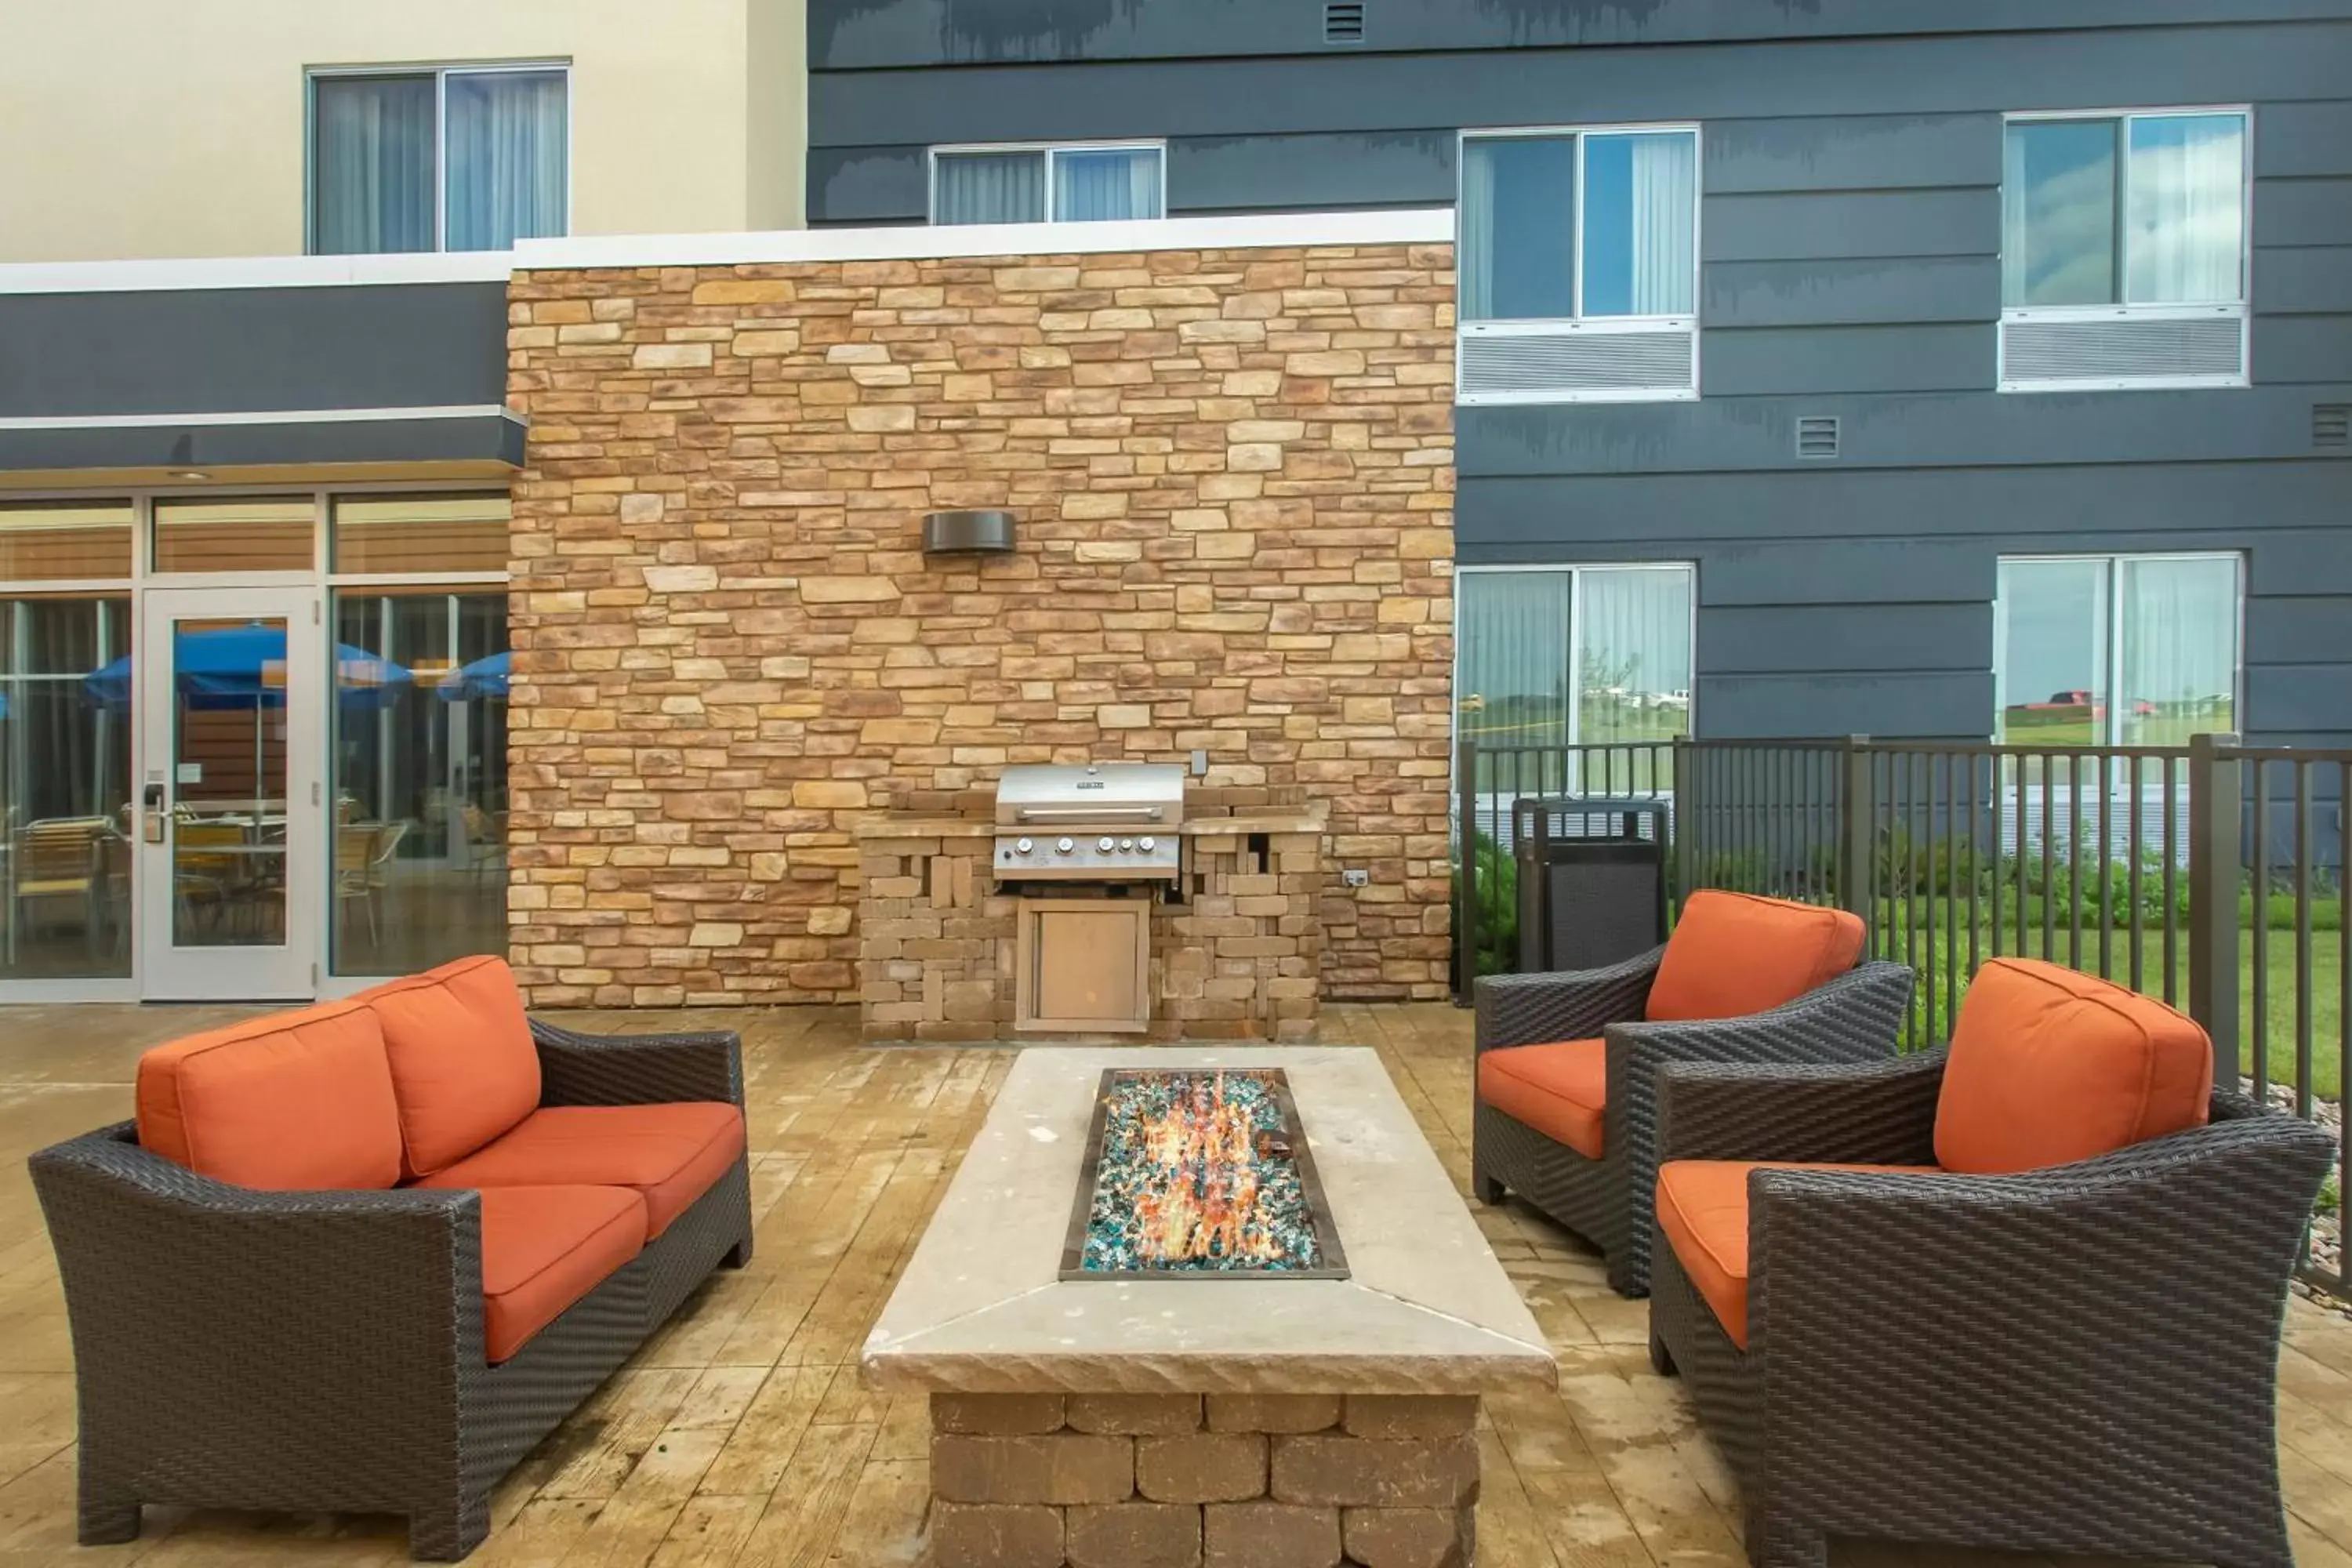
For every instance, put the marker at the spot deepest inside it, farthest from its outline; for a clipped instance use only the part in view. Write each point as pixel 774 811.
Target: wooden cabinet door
pixel 1083 965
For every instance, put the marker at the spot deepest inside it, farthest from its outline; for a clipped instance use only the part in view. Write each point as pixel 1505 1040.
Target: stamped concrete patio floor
pixel 741 1435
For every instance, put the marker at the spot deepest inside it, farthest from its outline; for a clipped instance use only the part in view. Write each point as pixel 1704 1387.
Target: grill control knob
pixel 1103 845
pixel 1062 847
pixel 1145 844
pixel 1126 843
pixel 1022 846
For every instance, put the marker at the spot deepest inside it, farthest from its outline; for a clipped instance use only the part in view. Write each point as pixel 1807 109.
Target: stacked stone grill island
pixel 1238 1418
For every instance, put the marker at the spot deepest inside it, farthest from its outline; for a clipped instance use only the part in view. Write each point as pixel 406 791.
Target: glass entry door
pixel 226 809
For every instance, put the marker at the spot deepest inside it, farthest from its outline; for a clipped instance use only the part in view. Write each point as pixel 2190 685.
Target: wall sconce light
pixel 968 533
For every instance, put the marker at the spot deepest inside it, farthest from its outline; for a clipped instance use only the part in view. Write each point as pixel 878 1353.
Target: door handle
pixel 152 810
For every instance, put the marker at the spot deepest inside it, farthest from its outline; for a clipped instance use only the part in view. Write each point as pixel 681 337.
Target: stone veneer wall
pixel 1234 476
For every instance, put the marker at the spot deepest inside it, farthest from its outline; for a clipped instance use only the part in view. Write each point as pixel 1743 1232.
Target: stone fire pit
pixel 1248 1416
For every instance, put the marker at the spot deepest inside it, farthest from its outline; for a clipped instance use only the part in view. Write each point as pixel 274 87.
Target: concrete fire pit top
pixel 1427 1308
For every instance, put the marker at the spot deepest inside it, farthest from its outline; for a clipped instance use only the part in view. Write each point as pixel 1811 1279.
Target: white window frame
pixel 1578 322
pixel 440 75
pixel 1052 149
pixel 2239 310
pixel 2114 562
pixel 1576 571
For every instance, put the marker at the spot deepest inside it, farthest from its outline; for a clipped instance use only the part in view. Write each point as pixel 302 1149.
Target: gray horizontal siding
pixel 1340 92
pixel 1895 706
pixel 2298 140
pixel 1937 430
pixel 405 345
pixel 2308 350
pixel 2303 629
pixel 1745 363
pixel 1861 573
pixel 2299 697
pixel 846 35
pixel 2171 506
pixel 1852 152
pixel 2307 279
pixel 1888 636
pixel 1275 174
pixel 1846 293
pixel 2303 212
pixel 1848 225
pixel 868 185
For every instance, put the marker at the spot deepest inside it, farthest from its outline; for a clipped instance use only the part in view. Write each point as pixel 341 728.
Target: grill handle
pixel 1088 814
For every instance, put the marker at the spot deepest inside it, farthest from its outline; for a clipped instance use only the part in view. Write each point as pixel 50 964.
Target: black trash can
pixel 1591 879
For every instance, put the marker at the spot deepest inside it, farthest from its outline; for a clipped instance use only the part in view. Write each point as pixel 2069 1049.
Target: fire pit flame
pixel 1198 1173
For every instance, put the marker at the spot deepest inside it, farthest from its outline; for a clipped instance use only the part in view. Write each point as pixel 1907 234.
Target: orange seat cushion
pixel 1562 1090
pixel 299 1100
pixel 1703 1212
pixel 672 1154
pixel 1733 954
pixel 463 1066
pixel 545 1247
pixel 2048 1067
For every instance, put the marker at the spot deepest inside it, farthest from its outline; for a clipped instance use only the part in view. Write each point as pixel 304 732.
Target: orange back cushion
pixel 2048 1067
pixel 293 1102
pixel 1733 954
pixel 463 1066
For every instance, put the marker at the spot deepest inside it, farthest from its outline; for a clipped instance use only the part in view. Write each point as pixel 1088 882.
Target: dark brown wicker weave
pixel 2079 1360
pixel 322 1351
pixel 1609 1201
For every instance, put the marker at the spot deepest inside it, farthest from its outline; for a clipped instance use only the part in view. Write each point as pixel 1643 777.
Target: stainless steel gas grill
pixel 1104 822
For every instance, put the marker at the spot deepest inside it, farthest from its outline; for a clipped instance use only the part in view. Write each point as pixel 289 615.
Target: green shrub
pixel 1939 959
pixel 1497 887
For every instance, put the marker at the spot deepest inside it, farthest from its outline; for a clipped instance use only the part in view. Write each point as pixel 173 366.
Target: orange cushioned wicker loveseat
pixel 363 1256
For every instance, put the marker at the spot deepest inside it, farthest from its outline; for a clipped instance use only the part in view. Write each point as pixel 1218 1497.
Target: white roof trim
pixel 252 272
pixel 261 416
pixel 1405 225
pixel 1397 226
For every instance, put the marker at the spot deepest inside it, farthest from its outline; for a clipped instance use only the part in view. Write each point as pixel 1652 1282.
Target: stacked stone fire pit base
pixel 1156 1481
pixel 1202 1422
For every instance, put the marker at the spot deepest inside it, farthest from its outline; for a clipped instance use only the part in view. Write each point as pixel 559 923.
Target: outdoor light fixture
pixel 968 533
pixel 190 474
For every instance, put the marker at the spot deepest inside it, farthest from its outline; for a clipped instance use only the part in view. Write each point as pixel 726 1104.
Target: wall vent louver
pixel 1343 22
pixel 1816 437
pixel 2331 427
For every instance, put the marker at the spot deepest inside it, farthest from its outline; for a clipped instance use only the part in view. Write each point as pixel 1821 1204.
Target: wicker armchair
pixel 1608 1200
pixel 324 1349
pixel 2076 1359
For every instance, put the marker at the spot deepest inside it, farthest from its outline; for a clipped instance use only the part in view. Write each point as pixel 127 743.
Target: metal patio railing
pixel 2209 875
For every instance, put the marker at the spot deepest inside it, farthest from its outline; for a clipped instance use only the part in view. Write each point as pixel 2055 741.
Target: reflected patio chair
pixel 363 852
pixel 208 872
pixel 56 859
pixel 486 841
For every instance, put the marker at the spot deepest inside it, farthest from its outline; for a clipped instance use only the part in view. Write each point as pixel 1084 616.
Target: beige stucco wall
pixel 154 128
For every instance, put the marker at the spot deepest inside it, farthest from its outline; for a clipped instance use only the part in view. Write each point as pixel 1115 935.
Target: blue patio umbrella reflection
pixel 485 677
pixel 245 667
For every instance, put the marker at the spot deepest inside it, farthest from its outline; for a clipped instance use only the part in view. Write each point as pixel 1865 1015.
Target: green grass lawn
pixel 2279 1001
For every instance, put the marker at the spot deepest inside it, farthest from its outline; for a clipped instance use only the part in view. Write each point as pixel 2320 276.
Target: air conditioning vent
pixel 1559 363
pixel 1343 22
pixel 2331 427
pixel 2123 349
pixel 1816 437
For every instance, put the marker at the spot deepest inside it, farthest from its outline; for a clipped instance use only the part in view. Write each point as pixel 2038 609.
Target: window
pixel 1578 256
pixel 1560 657
pixel 2125 650
pixel 1047 185
pixel 438 160
pixel 2123 250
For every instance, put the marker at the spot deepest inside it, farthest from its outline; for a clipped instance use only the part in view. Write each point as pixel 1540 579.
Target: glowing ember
pixel 1199 1172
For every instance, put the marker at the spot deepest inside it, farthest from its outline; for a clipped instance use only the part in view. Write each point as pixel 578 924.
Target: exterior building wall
pixel 1232 472
pixel 1851 164
pixel 174 129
